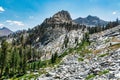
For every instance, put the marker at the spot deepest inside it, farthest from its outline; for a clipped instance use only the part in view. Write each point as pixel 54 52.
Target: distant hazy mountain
pixel 5 31
pixel 90 21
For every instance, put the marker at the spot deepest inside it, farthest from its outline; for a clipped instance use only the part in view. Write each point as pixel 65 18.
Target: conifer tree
pixel 4 51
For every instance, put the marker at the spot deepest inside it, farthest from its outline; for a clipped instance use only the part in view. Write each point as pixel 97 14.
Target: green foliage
pixel 14 59
pixel 102 55
pixel 103 72
pixel 63 54
pixel 90 76
pixel 66 41
pixel 86 37
pixel 3 56
pixel 70 50
pixel 99 73
pixel 54 58
pixel 80 59
pixel 82 46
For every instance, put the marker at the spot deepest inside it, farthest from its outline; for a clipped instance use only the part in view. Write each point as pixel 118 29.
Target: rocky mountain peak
pixel 63 15
pixel 60 17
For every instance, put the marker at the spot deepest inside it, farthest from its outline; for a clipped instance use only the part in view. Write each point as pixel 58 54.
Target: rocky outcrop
pixel 54 31
pixel 60 17
pixel 106 68
pixel 103 64
pixel 65 41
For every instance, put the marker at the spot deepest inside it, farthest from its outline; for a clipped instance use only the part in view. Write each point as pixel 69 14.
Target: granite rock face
pixel 103 64
pixel 58 33
pixel 60 17
pixel 72 69
pixel 59 45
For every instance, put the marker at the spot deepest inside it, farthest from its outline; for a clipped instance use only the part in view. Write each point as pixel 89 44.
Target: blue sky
pixel 24 14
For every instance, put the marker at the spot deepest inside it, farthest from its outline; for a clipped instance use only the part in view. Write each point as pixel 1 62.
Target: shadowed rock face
pixel 52 32
pixel 5 31
pixel 53 27
pixel 90 21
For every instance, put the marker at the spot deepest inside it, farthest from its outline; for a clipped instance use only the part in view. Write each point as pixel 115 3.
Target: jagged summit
pixel 55 26
pixel 63 15
pixel 59 17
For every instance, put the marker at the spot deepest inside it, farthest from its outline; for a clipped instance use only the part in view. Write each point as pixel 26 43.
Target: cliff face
pixel 64 41
pixel 55 31
pixel 52 28
pixel 55 34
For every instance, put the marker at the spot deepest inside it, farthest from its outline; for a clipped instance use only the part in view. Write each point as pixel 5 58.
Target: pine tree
pixel 52 59
pixel 4 51
pixel 24 60
pixel 86 37
pixel 55 56
pixel 21 60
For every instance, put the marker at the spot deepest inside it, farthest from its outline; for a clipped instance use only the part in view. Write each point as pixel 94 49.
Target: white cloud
pixel 2 9
pixel 11 22
pixel 1 25
pixel 114 12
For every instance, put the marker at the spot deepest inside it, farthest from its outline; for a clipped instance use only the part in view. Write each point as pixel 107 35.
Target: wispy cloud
pixel 11 22
pixel 2 9
pixel 1 25
pixel 114 12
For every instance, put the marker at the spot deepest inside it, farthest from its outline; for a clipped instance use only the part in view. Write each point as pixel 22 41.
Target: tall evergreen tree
pixel 4 51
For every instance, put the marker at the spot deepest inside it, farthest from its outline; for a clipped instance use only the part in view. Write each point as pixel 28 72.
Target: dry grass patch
pixel 98 51
pixel 115 39
pixel 115 46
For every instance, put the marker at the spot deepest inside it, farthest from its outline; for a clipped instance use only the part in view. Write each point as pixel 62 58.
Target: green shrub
pixel 102 55
pixel 90 76
pixel 63 55
pixel 80 59
pixel 103 72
